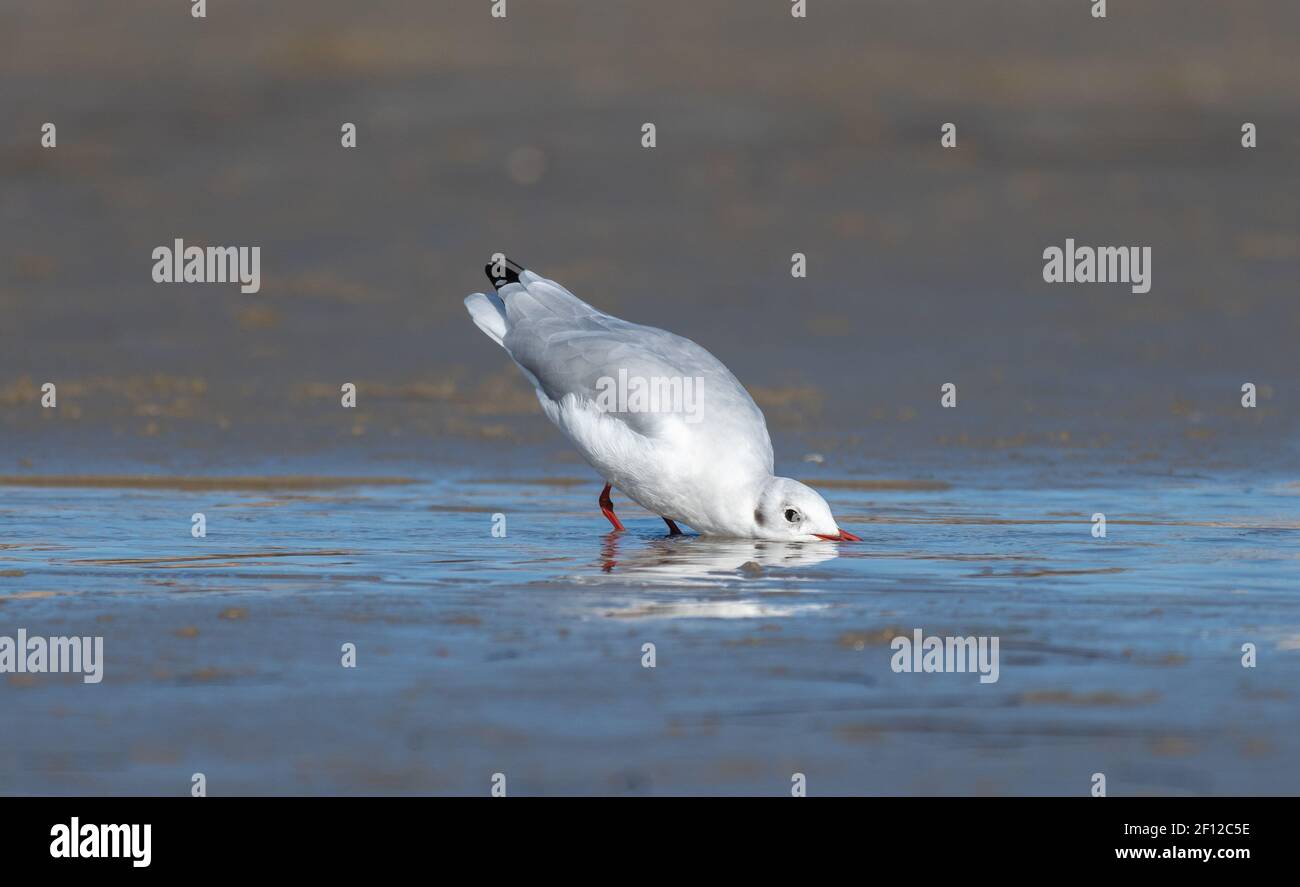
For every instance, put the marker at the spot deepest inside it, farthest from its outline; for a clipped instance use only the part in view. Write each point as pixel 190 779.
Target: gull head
pixel 788 511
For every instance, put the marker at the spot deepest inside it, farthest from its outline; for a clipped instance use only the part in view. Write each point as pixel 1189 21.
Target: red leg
pixel 607 508
pixel 672 527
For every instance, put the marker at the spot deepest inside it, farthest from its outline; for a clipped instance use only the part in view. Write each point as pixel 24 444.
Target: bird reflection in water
pixel 687 559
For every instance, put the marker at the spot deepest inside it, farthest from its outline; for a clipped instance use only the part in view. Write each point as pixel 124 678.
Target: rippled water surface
pixel 523 655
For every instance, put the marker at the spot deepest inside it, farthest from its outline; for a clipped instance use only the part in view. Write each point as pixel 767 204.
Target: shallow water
pixel 523 655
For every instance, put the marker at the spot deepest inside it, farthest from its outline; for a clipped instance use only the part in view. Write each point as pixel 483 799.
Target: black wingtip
pixel 511 275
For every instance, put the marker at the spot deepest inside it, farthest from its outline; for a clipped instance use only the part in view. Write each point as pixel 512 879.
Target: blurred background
pixel 775 135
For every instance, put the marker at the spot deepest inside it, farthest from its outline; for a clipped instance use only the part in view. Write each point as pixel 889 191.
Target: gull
pixel 704 461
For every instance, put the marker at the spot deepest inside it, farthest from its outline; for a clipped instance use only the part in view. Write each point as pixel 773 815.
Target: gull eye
pixel 792 515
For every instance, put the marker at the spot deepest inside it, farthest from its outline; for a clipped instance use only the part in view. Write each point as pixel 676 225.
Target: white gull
pixel 710 468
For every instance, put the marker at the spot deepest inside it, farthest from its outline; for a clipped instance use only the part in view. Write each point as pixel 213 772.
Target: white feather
pixel 489 315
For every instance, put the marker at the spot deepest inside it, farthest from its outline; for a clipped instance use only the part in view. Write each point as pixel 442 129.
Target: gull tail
pixel 489 315
pixel 488 311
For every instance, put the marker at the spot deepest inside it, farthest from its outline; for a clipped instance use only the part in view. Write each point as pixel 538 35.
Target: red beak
pixel 844 536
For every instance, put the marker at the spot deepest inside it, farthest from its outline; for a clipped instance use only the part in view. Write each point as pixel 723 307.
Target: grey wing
pixel 571 348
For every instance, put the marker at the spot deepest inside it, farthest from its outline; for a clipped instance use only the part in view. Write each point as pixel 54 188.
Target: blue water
pixel 523 655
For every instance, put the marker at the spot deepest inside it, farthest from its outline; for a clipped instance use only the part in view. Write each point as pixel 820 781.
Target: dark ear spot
pixel 758 517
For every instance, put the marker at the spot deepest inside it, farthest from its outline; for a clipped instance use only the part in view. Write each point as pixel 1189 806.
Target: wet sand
pixel 818 136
